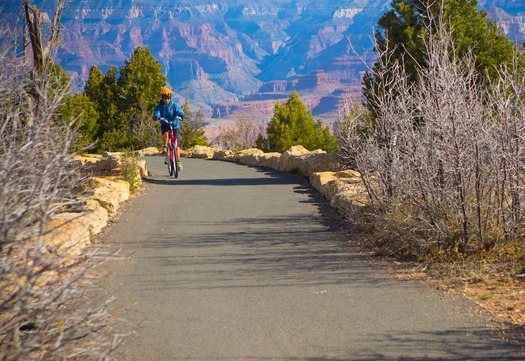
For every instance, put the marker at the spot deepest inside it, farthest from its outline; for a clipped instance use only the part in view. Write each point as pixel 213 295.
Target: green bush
pixel 293 125
pixel 130 172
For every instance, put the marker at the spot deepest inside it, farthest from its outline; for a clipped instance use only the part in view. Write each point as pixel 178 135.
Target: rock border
pixel 71 232
pixel 343 188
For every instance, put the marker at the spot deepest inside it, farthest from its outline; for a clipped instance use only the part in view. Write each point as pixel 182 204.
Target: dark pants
pixel 166 128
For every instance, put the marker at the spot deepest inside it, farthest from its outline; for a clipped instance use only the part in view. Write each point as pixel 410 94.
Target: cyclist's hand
pixel 164 120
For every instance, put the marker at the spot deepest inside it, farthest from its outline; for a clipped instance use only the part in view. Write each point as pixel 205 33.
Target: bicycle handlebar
pixel 166 121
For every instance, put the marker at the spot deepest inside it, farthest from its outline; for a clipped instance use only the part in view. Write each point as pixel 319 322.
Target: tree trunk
pixel 41 53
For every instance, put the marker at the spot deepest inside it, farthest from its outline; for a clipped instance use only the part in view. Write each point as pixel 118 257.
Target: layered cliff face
pixel 509 15
pixel 237 54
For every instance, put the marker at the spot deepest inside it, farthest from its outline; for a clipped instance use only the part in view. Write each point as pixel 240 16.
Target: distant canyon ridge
pixel 237 58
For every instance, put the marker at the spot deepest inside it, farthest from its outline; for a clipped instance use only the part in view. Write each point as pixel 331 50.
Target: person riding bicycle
pixel 168 111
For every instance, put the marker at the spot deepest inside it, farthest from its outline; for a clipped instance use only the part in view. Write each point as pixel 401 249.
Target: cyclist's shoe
pixel 179 166
pixel 164 150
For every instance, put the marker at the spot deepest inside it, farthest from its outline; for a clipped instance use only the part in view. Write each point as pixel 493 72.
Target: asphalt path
pixel 231 262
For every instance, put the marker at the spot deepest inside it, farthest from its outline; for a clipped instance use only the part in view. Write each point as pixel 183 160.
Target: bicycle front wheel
pixel 172 167
pixel 171 160
pixel 177 160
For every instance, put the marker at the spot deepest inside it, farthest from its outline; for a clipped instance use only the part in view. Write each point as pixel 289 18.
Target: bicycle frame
pixel 173 153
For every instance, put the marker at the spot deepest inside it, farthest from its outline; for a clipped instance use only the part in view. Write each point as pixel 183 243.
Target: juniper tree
pixel 291 125
pixel 125 100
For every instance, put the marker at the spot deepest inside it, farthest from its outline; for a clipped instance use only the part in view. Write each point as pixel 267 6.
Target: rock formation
pixel 238 57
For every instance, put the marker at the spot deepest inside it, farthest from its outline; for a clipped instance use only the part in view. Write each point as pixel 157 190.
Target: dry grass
pixel 493 278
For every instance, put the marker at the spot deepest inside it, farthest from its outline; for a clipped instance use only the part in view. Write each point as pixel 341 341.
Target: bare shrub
pixel 506 117
pixel 443 159
pixel 44 285
pixel 241 136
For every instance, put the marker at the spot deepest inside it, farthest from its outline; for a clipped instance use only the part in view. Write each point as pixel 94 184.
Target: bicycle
pixel 173 151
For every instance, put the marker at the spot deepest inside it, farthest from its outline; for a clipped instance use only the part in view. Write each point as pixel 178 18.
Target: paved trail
pixel 237 263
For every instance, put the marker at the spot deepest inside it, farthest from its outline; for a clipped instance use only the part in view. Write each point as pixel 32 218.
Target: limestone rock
pixel 147 152
pixel 269 160
pixel 110 193
pixel 97 215
pixel 221 154
pixel 108 164
pixel 143 169
pixel 320 162
pixel 331 183
pixel 344 189
pixel 67 233
pixel 320 181
pixel 71 232
pixel 96 164
pixel 291 158
pixel 200 151
pixel 349 202
pixel 249 156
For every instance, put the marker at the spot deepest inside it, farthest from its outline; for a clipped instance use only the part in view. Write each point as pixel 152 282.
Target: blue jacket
pixel 169 112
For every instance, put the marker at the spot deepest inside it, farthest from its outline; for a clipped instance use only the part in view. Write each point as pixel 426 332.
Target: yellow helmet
pixel 165 92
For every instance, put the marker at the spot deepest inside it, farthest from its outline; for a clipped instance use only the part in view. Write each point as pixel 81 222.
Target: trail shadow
pixel 461 344
pixel 228 182
pixel 270 177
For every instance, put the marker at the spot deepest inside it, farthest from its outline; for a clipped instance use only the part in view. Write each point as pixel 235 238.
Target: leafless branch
pixel 443 159
pixel 44 284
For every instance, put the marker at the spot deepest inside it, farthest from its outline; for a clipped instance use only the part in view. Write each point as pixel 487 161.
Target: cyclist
pixel 170 111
